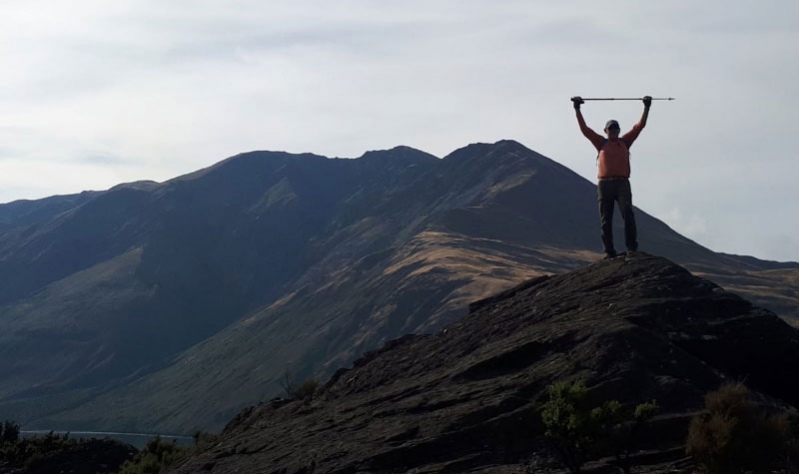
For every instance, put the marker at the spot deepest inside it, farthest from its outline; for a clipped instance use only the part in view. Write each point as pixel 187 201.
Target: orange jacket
pixel 614 156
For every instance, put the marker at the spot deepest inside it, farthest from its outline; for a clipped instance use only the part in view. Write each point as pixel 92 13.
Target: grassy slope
pixel 317 330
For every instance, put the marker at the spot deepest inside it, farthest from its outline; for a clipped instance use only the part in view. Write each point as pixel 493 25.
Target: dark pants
pixel 609 192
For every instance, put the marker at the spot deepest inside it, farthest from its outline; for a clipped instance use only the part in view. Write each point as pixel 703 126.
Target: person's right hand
pixel 577 102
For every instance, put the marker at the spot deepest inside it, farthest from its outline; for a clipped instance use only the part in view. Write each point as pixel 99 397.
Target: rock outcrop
pixel 467 399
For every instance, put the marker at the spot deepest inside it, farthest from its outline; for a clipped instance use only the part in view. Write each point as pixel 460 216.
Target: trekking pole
pixel 627 98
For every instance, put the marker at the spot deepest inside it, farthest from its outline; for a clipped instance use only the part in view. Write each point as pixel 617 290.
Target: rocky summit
pixel 468 398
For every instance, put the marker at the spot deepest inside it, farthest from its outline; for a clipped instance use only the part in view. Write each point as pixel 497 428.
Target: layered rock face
pixel 467 399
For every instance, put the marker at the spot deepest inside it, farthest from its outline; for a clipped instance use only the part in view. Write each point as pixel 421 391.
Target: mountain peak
pixel 403 154
pixel 483 150
pixel 142 185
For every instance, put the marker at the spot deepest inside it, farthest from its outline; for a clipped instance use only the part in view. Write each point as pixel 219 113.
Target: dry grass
pixel 489 265
pixel 735 436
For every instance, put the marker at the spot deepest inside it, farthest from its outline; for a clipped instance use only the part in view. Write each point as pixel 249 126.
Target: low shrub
pixel 306 390
pixel 156 457
pixel 736 436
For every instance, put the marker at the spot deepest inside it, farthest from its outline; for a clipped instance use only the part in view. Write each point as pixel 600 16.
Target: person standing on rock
pixel 614 175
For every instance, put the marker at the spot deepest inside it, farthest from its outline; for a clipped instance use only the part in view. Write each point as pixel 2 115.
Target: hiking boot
pixel 610 254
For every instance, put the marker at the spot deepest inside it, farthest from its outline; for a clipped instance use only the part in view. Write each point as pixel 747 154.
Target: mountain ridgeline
pixel 170 306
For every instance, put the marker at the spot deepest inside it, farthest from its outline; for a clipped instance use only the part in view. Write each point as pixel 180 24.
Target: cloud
pixel 136 89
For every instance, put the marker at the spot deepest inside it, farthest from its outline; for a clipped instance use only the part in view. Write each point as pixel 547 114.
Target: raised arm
pixel 592 136
pixel 630 136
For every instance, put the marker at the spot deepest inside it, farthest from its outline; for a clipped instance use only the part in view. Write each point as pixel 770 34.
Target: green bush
pixel 158 456
pixel 580 433
pixel 735 436
pixel 571 425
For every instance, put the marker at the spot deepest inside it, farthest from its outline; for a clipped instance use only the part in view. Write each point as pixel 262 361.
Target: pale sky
pixel 95 93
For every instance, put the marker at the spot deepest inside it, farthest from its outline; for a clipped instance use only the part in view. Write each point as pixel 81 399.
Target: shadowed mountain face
pixel 468 398
pixel 170 306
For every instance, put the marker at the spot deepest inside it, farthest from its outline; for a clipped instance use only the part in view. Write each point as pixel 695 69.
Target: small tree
pixel 580 432
pixel 735 436
pixel 571 425
pixel 287 384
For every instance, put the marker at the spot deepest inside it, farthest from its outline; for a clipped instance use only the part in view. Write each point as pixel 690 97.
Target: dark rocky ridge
pixel 466 399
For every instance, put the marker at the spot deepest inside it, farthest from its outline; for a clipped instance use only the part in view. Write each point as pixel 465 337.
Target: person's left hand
pixel 647 101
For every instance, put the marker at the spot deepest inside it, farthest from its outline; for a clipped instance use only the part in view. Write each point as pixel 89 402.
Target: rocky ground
pixel 467 399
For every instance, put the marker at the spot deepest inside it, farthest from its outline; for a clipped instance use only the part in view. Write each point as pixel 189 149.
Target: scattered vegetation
pixel 29 452
pixel 22 454
pixel 580 432
pixel 736 436
pixel 158 456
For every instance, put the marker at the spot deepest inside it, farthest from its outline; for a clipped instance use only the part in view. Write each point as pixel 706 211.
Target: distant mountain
pixel 170 306
pixel 468 398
